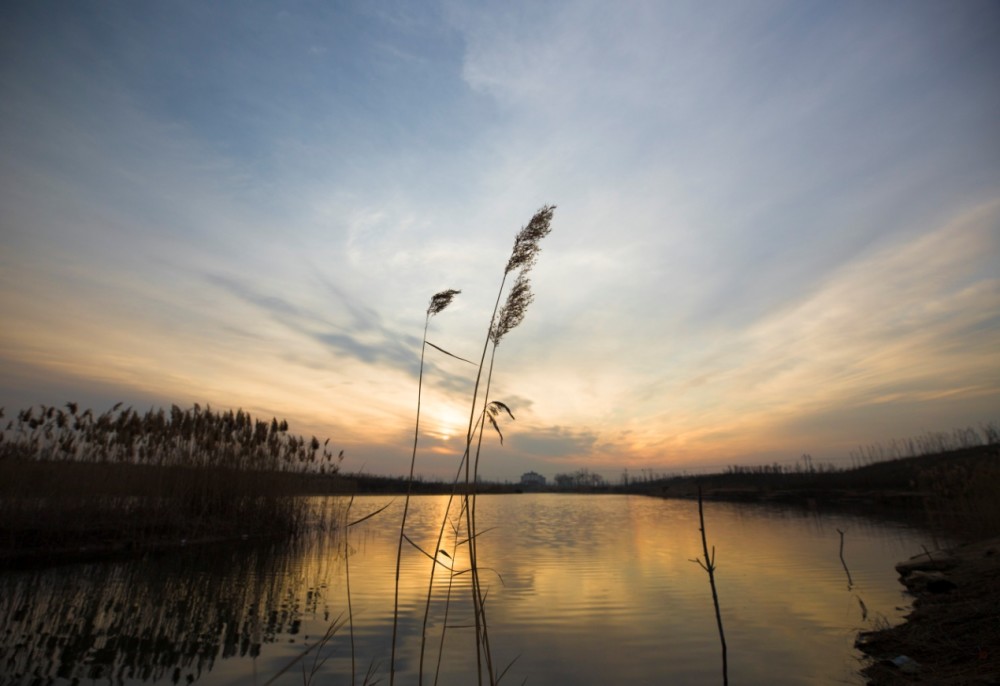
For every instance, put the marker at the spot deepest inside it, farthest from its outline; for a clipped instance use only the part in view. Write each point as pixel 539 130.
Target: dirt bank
pixel 952 636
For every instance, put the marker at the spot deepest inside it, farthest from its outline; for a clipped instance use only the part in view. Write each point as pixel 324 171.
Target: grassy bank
pixel 75 482
pixel 952 491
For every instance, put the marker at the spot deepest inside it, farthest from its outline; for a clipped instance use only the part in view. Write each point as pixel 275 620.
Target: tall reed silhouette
pixel 502 321
pixel 522 259
pixel 438 303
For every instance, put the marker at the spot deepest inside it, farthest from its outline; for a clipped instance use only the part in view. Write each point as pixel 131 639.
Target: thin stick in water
pixel 850 582
pixel 709 566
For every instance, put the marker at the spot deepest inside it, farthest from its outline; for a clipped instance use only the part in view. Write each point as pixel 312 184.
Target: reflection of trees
pixel 166 617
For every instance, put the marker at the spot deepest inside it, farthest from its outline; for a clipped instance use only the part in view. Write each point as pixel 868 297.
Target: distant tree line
pixel 580 479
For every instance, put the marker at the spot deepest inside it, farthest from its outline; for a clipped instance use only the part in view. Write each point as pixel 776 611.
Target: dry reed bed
pixel 72 480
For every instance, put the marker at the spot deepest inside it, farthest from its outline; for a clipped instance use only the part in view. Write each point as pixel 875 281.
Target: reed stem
pixel 406 507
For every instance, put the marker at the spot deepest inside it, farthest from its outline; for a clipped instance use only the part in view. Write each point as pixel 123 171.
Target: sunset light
pixel 777 232
pixel 548 342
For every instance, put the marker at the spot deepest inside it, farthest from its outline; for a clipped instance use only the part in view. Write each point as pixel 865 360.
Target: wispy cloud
pixel 770 216
pixel 556 442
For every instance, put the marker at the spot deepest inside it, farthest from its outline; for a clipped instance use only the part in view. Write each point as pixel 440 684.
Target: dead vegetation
pixel 77 483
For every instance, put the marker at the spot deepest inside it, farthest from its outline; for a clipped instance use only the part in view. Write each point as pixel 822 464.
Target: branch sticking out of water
pixel 850 582
pixel 709 566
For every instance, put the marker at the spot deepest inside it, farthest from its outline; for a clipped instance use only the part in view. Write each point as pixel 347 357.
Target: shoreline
pixel 108 551
pixel 952 634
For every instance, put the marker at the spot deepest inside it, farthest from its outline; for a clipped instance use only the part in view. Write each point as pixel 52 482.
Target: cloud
pixel 554 441
pixel 769 215
pixel 910 322
pixel 372 344
pixel 360 336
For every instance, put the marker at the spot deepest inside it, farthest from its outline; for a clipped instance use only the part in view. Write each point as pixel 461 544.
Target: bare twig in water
pixel 709 566
pixel 850 582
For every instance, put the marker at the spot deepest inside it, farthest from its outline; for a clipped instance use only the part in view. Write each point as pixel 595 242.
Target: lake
pixel 582 589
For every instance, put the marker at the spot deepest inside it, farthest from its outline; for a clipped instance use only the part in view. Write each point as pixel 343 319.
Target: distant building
pixel 532 480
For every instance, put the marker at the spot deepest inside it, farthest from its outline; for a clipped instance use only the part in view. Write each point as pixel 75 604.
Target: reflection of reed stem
pixel 447 602
pixel 709 566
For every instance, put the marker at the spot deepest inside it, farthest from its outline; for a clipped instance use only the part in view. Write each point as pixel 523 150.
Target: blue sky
pixel 778 223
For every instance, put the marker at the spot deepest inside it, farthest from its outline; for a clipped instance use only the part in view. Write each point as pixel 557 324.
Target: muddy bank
pixel 952 636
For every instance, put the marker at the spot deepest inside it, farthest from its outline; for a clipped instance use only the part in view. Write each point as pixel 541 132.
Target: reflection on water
pixel 171 617
pixel 582 590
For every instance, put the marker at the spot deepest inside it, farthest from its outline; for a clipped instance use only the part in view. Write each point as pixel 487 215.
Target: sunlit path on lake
pixel 582 590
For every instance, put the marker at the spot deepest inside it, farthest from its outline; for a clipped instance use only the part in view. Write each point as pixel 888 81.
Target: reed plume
pixel 523 256
pixel 439 301
pixel 526 247
pixel 502 321
pixel 513 311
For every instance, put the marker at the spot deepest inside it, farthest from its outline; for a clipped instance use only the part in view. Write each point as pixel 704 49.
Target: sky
pixel 777 227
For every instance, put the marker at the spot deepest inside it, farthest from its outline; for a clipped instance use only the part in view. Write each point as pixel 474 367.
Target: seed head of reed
pixel 513 311
pixel 526 248
pixel 440 301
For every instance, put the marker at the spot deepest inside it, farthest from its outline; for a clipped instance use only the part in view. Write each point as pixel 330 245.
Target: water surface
pixel 582 590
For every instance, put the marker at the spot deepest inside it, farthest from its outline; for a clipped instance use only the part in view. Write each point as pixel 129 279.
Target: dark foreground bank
pixel 952 636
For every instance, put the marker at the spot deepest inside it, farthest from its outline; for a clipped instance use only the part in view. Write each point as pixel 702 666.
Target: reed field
pixel 73 481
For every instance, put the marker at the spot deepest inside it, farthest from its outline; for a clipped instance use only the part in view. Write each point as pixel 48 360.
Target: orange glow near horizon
pixel 709 294
pixel 742 398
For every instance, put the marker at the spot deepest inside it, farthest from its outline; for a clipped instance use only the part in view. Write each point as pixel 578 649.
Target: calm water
pixel 583 590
